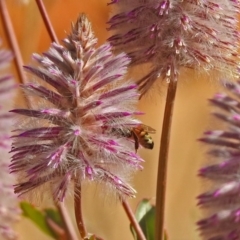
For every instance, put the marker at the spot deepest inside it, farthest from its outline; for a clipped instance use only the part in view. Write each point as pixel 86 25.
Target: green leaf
pixel 143 207
pixel 147 223
pixel 54 215
pixel 145 215
pixel 37 217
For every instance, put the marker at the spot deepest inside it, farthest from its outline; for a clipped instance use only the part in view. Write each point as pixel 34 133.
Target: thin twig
pixel 58 231
pixel 47 21
pixel 78 210
pixel 163 158
pixel 133 221
pixel 7 24
pixel 67 222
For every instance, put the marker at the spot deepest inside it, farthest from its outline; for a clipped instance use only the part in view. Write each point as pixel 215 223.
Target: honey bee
pixel 139 134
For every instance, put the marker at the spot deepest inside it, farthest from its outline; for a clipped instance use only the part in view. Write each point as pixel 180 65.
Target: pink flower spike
pixel 81 101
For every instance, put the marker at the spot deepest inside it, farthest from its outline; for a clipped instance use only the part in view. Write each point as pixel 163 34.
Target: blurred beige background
pixel 105 217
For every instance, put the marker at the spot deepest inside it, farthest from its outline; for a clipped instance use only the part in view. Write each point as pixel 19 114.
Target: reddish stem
pixel 7 24
pixel 78 210
pixel 47 21
pixel 133 221
pixel 163 158
pixel 68 227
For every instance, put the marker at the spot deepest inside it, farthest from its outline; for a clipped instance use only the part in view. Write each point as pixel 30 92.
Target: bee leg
pixel 136 142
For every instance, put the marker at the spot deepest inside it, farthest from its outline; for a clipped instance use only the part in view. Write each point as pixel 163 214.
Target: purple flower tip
pixel 220 96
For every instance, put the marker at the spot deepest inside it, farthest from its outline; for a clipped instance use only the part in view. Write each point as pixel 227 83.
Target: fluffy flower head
pixel 169 34
pixel 72 134
pixel 223 200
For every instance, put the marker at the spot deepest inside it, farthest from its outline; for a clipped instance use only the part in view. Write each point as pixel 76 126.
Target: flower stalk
pixel 78 210
pixel 47 21
pixel 7 24
pixel 163 159
pixel 133 221
pixel 68 227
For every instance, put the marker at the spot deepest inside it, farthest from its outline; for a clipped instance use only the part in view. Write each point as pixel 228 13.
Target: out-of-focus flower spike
pixel 9 210
pixel 223 199
pixel 171 34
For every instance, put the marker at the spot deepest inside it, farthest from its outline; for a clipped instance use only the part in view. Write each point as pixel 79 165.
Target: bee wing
pixel 148 129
